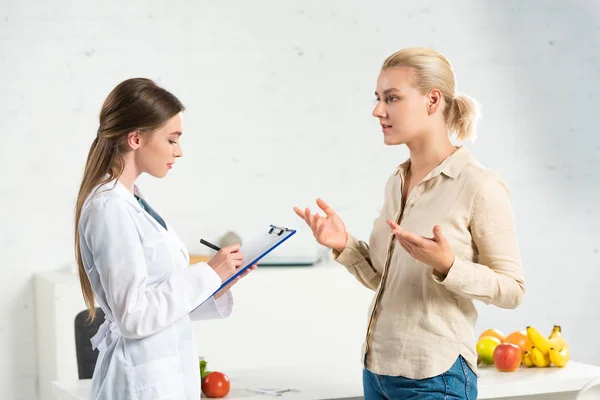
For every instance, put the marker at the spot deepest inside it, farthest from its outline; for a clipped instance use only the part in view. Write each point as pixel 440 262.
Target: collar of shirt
pixel 122 191
pixel 452 166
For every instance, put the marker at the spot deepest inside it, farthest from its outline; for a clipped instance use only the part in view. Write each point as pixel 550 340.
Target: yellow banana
pixel 539 359
pixel 556 339
pixel 560 358
pixel 541 342
pixel 527 359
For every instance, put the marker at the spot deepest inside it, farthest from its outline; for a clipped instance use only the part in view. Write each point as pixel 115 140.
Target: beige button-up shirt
pixel 420 322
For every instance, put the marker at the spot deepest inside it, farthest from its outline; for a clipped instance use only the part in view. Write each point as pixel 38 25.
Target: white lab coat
pixel 141 278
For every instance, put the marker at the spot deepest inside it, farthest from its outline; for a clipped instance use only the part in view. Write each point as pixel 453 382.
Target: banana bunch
pixel 546 351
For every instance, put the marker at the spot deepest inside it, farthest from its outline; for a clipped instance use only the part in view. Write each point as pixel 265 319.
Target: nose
pixel 178 153
pixel 379 110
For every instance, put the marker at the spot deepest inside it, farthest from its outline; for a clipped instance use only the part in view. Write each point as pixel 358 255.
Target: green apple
pixel 485 349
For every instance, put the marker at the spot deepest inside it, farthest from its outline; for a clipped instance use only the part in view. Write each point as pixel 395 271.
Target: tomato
pixel 215 384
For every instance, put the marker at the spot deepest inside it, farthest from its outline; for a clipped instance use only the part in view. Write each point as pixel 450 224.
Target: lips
pixel 385 126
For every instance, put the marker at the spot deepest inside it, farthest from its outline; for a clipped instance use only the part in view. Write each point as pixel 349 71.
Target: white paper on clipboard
pixel 259 246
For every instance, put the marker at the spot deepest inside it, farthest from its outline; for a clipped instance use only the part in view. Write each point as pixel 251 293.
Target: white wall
pixel 279 95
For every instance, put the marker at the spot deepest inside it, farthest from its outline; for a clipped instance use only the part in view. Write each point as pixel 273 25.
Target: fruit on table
pixel 560 358
pixel 213 383
pixel 537 350
pixel 521 339
pixel 543 343
pixel 527 361
pixel 485 348
pixel 556 338
pixel 507 357
pixel 493 332
pixel 555 344
pixel 539 358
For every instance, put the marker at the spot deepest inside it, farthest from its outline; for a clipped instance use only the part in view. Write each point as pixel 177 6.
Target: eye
pixel 391 99
pixel 172 142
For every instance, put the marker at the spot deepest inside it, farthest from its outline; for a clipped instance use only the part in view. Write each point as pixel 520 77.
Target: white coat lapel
pixel 122 191
pixel 147 214
pixel 177 246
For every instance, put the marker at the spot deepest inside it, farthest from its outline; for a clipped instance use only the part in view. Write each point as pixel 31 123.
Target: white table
pixel 344 382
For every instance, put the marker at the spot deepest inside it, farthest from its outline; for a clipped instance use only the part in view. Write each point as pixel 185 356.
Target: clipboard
pixel 259 246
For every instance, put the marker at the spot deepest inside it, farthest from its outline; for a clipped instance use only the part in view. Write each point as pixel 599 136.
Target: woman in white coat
pixel 131 262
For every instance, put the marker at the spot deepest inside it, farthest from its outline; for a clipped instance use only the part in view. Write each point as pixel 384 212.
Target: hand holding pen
pixel 226 263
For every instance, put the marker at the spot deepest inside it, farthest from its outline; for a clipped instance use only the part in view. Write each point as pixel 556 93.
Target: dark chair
pixel 84 331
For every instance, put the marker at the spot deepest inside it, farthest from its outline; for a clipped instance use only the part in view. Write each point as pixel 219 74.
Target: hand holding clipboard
pixel 239 261
pixel 226 263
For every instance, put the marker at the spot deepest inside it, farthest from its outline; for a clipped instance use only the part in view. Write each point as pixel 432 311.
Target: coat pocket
pixel 158 379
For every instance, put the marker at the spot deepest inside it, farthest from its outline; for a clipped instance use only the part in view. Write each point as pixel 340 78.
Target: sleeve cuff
pixel 225 304
pixel 456 275
pixel 214 308
pixel 347 254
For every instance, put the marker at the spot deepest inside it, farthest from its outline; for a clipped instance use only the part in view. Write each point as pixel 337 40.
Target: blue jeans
pixel 459 382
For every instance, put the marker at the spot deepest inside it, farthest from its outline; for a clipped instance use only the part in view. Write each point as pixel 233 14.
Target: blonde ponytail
pixel 463 114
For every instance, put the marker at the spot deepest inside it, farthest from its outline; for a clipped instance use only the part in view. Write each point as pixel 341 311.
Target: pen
pixel 262 391
pixel 208 244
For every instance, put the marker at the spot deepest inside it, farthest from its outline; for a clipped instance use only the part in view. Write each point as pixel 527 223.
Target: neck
pixel 129 175
pixel 428 152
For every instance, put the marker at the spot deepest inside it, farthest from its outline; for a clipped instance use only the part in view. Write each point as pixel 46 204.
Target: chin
pixel 160 174
pixel 390 141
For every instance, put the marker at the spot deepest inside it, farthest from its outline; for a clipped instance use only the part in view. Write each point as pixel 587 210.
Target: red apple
pixel 507 357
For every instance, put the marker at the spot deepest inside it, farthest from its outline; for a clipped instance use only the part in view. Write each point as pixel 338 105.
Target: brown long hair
pixel 136 104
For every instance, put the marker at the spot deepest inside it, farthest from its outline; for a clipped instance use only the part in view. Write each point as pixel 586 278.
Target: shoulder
pixel 104 204
pixel 487 189
pixel 482 180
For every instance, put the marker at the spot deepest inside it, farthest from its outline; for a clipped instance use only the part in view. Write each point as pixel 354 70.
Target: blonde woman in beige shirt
pixel 444 238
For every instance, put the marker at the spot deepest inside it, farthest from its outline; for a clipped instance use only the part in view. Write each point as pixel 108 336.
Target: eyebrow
pixel 387 91
pixel 176 133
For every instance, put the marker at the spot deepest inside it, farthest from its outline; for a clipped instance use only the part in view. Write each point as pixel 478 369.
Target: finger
pixel 299 212
pixel 404 246
pixel 408 245
pixel 393 225
pixel 236 263
pixel 307 215
pixel 319 225
pixel 314 222
pixel 410 249
pixel 320 229
pixel 411 237
pixel 232 248
pixel 237 256
pixel 437 234
pixel 325 207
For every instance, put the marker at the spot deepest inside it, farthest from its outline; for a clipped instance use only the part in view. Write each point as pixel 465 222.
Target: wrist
pixel 342 246
pixel 445 266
